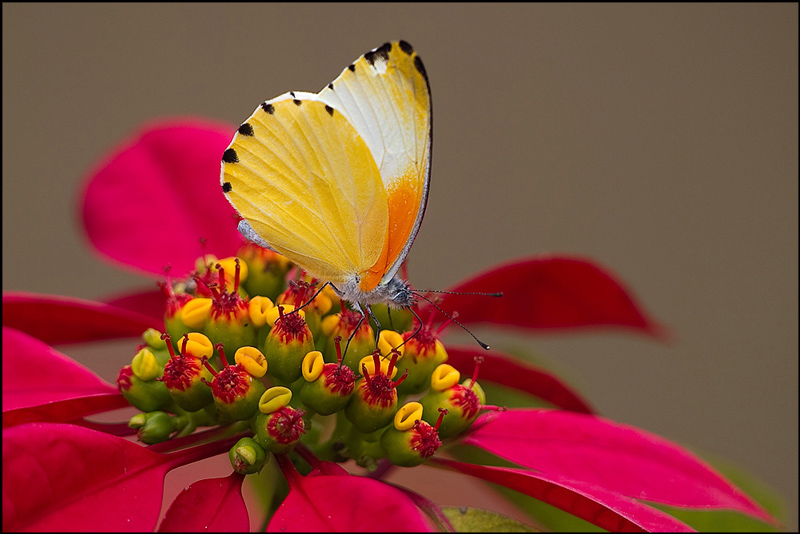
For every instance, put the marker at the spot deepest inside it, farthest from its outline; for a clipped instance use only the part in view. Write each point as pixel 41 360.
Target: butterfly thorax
pixel 396 293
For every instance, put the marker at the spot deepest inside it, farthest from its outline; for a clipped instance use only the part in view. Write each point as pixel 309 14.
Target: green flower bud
pixel 279 431
pixel 410 440
pixel 374 401
pixel 266 271
pixel 153 427
pixel 327 387
pixel 287 343
pixel 147 396
pixel 247 456
pixel 462 401
pixel 236 392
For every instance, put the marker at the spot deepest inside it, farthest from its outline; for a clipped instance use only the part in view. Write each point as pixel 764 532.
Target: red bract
pixel 145 207
pixel 213 504
pixel 41 384
pixel 326 503
pixel 58 477
pixel 592 451
pixel 547 293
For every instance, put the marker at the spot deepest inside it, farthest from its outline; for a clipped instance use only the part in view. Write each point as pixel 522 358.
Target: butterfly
pixel 337 181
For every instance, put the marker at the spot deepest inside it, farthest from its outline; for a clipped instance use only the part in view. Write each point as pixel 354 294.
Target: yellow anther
pixel 252 360
pixel 407 415
pixel 369 361
pixel 198 345
pixel 229 265
pixel 312 366
pixel 274 399
pixel 444 376
pixel 195 312
pixel 388 340
pixel 329 324
pixel 145 366
pixel 258 308
pixel 273 313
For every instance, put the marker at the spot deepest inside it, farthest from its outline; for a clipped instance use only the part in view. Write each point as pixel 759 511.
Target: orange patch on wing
pixel 404 198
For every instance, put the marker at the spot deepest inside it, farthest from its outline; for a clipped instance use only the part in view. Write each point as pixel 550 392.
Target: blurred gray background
pixel 660 140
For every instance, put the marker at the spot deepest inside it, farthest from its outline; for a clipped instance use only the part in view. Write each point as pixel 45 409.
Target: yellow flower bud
pixel 258 308
pixel 145 366
pixel 388 340
pixel 252 360
pixel 274 399
pixel 444 376
pixel 407 415
pixel 195 312
pixel 313 364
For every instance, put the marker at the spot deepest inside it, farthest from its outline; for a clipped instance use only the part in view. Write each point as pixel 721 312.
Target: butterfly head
pixel 395 293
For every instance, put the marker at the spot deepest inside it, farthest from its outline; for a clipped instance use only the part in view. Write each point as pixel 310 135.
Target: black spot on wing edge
pixel 246 129
pixel 380 52
pixel 297 102
pixel 329 110
pixel 229 156
pixel 420 67
pixel 330 86
pixel 269 108
pixel 226 187
pixel 352 68
pixel 405 47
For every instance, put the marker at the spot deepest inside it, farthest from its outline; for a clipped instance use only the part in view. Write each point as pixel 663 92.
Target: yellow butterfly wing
pixel 338 181
pixel 386 96
pixel 303 178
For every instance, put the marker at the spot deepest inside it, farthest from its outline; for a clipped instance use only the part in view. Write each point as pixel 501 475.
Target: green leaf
pixel 466 519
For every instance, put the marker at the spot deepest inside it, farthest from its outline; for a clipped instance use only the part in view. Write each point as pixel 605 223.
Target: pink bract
pixel 158 193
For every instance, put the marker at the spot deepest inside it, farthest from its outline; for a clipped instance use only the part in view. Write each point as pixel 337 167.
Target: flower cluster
pixel 238 359
pixel 385 394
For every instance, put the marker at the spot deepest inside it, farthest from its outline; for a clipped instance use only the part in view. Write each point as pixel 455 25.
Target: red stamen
pixel 404 270
pixel 185 341
pixel 221 275
pixel 219 348
pixel 376 358
pixel 211 370
pixel 366 375
pixel 442 413
pixel 400 380
pixel 493 408
pixel 478 361
pixel 337 341
pixel 236 276
pixel 395 356
pixel 211 288
pixel 447 322
pixel 166 338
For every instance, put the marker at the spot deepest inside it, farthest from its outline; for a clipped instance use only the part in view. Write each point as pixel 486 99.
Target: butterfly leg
pixel 358 308
pixel 309 301
pixel 377 324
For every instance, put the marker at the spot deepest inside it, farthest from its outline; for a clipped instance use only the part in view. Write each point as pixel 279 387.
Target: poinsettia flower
pixel 155 200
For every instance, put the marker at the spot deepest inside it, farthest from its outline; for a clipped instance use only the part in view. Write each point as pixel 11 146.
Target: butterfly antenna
pixel 498 294
pixel 467 330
